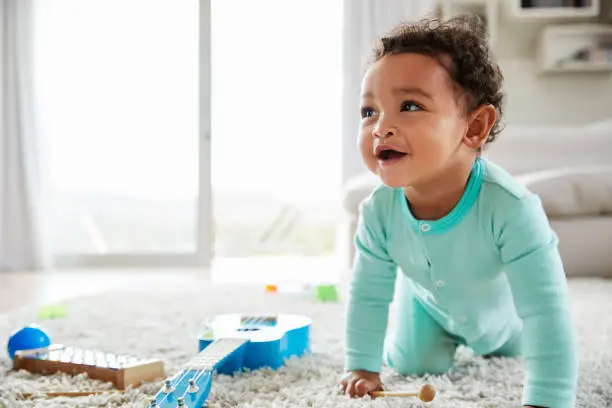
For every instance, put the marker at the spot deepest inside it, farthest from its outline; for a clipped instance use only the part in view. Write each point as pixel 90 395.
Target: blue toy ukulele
pixel 231 343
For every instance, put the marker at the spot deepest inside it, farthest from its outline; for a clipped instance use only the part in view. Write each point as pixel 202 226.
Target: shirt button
pixel 440 283
pixel 425 227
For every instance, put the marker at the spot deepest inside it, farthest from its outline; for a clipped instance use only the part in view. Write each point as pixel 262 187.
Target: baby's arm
pixel 533 265
pixel 371 292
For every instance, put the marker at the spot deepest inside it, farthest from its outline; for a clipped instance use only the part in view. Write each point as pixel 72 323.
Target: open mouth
pixel 390 154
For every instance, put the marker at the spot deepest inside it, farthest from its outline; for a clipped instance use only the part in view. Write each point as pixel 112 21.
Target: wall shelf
pixel 547 12
pixel 575 48
pixel 574 67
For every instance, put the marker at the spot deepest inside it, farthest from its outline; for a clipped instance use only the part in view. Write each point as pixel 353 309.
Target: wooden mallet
pixel 70 393
pixel 427 393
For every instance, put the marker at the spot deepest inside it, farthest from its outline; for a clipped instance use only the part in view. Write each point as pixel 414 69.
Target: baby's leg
pixel 511 349
pixel 418 345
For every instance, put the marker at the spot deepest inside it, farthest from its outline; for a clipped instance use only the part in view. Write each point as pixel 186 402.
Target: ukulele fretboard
pixel 208 358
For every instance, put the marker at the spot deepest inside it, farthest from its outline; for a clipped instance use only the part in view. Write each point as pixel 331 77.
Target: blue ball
pixel 26 338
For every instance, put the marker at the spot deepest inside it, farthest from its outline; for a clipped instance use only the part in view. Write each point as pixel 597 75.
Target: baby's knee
pixel 418 362
pixel 512 348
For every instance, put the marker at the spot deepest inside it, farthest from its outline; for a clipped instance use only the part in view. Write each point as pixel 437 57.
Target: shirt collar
pixel 463 207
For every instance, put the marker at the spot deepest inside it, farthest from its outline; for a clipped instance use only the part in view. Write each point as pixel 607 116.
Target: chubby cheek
pixel 432 145
pixel 425 148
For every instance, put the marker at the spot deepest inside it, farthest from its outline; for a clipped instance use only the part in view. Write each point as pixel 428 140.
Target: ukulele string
pixel 202 371
pixel 198 372
pixel 182 377
pixel 197 377
pixel 178 380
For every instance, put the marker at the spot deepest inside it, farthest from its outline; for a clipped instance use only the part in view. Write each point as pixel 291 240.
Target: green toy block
pixel 52 311
pixel 326 293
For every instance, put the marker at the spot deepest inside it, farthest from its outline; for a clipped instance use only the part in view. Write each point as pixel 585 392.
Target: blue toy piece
pixel 27 338
pixel 272 340
pixel 234 342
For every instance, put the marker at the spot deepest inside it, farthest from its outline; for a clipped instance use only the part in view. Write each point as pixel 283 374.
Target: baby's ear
pixel 481 120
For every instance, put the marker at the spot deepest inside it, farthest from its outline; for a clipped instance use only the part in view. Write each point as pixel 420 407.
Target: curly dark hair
pixel 464 40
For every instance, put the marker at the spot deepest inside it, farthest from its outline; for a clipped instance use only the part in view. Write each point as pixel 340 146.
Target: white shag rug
pixel 165 324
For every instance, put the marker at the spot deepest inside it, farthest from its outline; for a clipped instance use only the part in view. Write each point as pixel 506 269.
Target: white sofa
pixel 569 167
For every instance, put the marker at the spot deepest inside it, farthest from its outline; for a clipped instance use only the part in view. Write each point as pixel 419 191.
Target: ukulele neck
pixel 215 353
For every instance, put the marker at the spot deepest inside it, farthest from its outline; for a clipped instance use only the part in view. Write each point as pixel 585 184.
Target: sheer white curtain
pixel 364 20
pixel 21 231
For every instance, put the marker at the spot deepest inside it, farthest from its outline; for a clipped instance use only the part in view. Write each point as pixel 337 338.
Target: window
pixel 118 107
pixel 117 102
pixel 276 126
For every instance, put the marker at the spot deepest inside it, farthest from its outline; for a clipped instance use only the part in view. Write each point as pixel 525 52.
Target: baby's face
pixel 412 120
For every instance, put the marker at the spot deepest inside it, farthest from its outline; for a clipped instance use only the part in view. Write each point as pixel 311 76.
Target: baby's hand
pixel 359 383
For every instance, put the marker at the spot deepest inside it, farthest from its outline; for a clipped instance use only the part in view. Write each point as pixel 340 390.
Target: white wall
pixel 560 99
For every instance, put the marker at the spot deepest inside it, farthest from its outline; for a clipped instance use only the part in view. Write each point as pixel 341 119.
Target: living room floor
pixel 19 289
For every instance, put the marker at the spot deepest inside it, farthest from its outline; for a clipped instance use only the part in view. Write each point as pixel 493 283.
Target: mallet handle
pixel 69 393
pixel 394 394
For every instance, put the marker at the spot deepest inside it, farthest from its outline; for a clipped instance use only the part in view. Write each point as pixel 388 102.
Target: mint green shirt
pixel 487 271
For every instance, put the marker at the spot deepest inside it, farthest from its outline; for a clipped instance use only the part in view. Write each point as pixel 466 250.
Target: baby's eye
pixel 366 112
pixel 411 106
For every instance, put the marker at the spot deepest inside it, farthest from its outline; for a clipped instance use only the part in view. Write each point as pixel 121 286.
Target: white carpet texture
pixel 165 325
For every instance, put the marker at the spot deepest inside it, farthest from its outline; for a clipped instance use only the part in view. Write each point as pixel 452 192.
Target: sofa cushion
pixel 584 244
pixel 527 149
pixel 573 191
pixel 358 189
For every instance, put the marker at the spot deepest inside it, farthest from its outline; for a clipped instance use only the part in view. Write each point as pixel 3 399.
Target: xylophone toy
pixel 232 343
pixel 121 370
